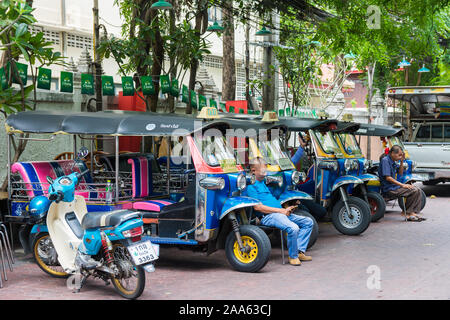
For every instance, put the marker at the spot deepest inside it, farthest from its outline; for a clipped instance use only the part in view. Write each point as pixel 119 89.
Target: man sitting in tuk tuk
pixel 272 214
pixel 387 171
pixel 315 209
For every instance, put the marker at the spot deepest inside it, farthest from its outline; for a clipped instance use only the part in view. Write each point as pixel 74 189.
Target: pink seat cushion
pixel 151 205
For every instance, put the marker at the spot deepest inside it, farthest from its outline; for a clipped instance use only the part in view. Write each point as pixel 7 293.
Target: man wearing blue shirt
pixel 387 172
pixel 315 209
pixel 272 214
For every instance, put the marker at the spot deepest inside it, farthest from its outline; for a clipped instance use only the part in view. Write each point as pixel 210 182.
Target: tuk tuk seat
pixel 34 174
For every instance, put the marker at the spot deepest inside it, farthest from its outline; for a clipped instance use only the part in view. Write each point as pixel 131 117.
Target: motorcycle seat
pixel 100 219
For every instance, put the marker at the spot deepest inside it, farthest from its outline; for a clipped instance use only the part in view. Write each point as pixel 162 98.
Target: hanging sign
pixel 127 86
pixel 147 85
pixel 21 72
pixel 87 83
pixel 165 83
pixel 44 79
pixel 3 79
pixel 193 99
pixel 185 94
pixel 108 88
pixel 66 81
pixel 174 89
pixel 213 103
pixel 201 102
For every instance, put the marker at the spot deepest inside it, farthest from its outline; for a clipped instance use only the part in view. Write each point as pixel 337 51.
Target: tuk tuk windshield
pixel 396 141
pixel 217 152
pixel 274 154
pixel 350 144
pixel 327 143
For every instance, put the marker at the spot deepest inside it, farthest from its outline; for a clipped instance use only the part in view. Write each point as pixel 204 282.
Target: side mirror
pixel 82 153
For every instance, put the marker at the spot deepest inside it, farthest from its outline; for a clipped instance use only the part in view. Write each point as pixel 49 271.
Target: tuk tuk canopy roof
pixel 377 130
pixel 126 123
pixel 344 126
pixel 299 124
pixel 406 93
pixel 249 127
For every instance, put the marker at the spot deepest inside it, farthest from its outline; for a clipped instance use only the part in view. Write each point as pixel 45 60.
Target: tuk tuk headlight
pixel 366 164
pixel 251 179
pixel 241 182
pixel 347 164
pixel 274 179
pixel 328 165
pixel 295 178
pixel 405 165
pixel 413 165
pixel 212 183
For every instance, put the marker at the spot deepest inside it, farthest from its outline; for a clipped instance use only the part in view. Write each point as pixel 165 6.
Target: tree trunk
pixel 229 63
pixel 158 58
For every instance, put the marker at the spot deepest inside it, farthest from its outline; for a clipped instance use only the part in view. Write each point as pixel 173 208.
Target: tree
pixel 16 40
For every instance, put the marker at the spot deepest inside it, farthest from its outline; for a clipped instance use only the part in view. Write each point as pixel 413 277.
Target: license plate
pixel 142 252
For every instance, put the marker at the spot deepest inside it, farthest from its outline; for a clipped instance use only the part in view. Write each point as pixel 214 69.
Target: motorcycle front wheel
pixel 130 282
pixel 45 256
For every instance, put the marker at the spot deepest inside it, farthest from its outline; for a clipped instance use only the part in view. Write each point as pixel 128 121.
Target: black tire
pixel 430 182
pixel 424 199
pixel 126 266
pixel 315 230
pixel 42 249
pixel 348 226
pixel 258 256
pixel 377 205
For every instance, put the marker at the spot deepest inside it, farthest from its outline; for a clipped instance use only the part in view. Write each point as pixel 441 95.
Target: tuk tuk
pixel 355 164
pixel 200 206
pixel 328 181
pixel 390 136
pixel 257 138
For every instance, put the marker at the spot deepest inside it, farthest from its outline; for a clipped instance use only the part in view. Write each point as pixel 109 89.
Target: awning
pixel 125 123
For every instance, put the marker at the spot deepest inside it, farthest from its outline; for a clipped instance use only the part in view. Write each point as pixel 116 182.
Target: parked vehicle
pixel 327 178
pixel 428 127
pixel 255 138
pixel 390 136
pixel 355 164
pixel 209 215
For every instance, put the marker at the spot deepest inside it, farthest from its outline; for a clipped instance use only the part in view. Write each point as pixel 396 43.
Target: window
pixel 423 134
pixel 447 132
pixel 436 131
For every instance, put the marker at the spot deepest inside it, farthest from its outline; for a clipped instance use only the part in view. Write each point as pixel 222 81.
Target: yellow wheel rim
pixel 246 257
pixel 47 268
pixel 118 282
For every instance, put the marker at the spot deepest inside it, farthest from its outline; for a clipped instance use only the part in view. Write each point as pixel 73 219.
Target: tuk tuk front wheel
pixel 377 205
pixel 258 249
pixel 351 224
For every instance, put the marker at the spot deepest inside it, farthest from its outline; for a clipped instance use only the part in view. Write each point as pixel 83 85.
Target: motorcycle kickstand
pixel 77 281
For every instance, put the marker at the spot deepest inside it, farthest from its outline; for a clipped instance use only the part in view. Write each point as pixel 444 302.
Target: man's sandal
pixel 414 218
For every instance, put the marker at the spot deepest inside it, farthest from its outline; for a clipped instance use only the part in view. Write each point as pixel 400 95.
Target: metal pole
pixel 9 165
pixel 74 146
pixel 117 168
pixel 168 165
pixel 92 154
pixel 97 62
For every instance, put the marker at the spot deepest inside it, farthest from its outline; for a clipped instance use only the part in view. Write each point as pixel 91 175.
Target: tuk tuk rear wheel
pixel 377 205
pixel 259 244
pixel 356 224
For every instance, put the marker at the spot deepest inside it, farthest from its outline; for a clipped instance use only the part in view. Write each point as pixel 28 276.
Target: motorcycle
pixel 106 245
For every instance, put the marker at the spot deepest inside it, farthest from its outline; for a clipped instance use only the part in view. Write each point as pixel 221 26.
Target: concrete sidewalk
pixel 393 259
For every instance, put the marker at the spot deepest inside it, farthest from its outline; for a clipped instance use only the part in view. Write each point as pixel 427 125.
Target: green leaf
pixel 21 29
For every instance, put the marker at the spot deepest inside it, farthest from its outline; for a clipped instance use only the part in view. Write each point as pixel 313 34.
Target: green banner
pixel 185 94
pixel 3 79
pixel 66 81
pixel 108 88
pixel 165 83
pixel 193 99
pixel 147 85
pixel 22 71
pixel 201 102
pixel 87 83
pixel 44 79
pixel 223 106
pixel 174 88
pixel 127 86
pixel 212 103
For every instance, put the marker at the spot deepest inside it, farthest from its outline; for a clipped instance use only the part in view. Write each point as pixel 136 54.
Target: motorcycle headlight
pixel 241 182
pixel 295 178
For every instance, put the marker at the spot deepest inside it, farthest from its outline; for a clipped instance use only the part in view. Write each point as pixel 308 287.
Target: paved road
pixel 411 259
